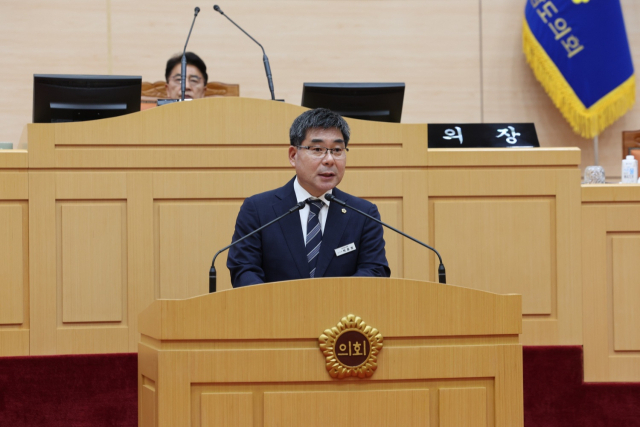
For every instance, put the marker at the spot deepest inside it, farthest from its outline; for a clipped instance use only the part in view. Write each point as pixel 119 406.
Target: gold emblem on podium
pixel 351 348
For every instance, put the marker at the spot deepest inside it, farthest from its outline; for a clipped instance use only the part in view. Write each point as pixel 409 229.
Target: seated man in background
pixel 197 78
pixel 323 240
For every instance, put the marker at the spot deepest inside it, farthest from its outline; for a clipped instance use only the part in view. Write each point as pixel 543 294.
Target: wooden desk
pixel 127 210
pixel 610 254
pixel 508 221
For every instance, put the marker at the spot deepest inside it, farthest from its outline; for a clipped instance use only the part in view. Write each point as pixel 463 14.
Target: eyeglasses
pixel 319 152
pixel 194 80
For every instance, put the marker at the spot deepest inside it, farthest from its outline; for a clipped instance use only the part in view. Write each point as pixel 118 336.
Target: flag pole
pixel 595 150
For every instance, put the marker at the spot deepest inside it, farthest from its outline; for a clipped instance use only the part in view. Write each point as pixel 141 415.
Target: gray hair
pixel 320 118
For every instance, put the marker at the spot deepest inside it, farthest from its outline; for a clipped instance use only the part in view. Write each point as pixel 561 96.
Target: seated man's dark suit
pixel 278 252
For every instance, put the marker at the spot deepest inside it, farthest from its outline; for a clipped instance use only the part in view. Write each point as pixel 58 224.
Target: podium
pixel 450 356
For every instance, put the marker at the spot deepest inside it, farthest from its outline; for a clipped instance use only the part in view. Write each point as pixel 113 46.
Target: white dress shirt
pixel 301 195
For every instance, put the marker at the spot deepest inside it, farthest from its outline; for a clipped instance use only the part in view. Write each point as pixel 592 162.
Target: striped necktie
pixel 314 235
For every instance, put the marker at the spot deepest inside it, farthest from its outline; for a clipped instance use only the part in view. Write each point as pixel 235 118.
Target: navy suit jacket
pixel 278 252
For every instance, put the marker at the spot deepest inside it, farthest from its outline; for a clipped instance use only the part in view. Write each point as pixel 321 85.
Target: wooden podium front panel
pixel 14 249
pixel 268 383
pixel 260 383
pixel 228 409
pixel 611 248
pixel 513 230
pixel 317 409
pixel 250 356
pixel 463 407
pixel 356 403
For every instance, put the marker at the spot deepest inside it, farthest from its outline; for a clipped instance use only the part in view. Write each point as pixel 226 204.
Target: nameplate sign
pixel 478 135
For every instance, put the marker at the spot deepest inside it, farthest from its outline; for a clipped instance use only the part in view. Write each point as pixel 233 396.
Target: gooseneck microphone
pixel 212 271
pixel 267 68
pixel 442 277
pixel 183 64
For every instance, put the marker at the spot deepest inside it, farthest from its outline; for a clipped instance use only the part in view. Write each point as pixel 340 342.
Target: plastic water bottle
pixel 629 170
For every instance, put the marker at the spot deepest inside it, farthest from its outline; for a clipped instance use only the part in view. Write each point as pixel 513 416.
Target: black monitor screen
pixel 381 102
pixel 75 98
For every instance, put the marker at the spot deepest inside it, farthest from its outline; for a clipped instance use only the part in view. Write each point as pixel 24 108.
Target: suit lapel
pixel 291 228
pixel 333 230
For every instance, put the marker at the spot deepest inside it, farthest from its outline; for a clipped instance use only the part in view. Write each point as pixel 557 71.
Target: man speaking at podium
pixel 323 239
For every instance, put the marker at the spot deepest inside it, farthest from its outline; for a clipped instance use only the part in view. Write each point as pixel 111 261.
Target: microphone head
pixel 217 8
pixel 196 11
pixel 329 197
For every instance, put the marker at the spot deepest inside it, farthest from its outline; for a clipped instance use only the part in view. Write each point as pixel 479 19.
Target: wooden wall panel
pixel 342 409
pixel 195 213
pixel 625 251
pixel 80 293
pixel 463 407
pixel 92 338
pixel 43 274
pixel 93 261
pixel 228 409
pixel 14 185
pixel 14 247
pixel 500 245
pixel 14 341
pixel 403 187
pixel 513 230
pixel 188 235
pixel 12 285
pixel 610 241
pixel 391 213
pixel 140 262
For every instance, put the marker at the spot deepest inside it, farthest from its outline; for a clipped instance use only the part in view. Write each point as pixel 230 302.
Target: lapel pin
pixel 344 211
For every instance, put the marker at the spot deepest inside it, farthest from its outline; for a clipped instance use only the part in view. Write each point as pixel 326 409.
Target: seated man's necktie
pixel 314 235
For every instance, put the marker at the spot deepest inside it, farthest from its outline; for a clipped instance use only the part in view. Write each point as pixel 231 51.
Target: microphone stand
pixel 267 68
pixel 183 62
pixel 442 277
pixel 212 271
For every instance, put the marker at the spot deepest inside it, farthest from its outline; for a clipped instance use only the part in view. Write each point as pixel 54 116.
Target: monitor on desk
pixel 381 102
pixel 74 98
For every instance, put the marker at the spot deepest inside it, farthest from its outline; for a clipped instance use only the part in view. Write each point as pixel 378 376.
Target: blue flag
pixel 579 52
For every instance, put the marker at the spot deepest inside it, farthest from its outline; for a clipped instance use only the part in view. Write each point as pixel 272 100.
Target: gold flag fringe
pixel 586 122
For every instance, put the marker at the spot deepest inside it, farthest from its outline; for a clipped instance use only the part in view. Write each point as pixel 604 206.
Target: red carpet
pixel 101 391
pixel 554 394
pixel 70 391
